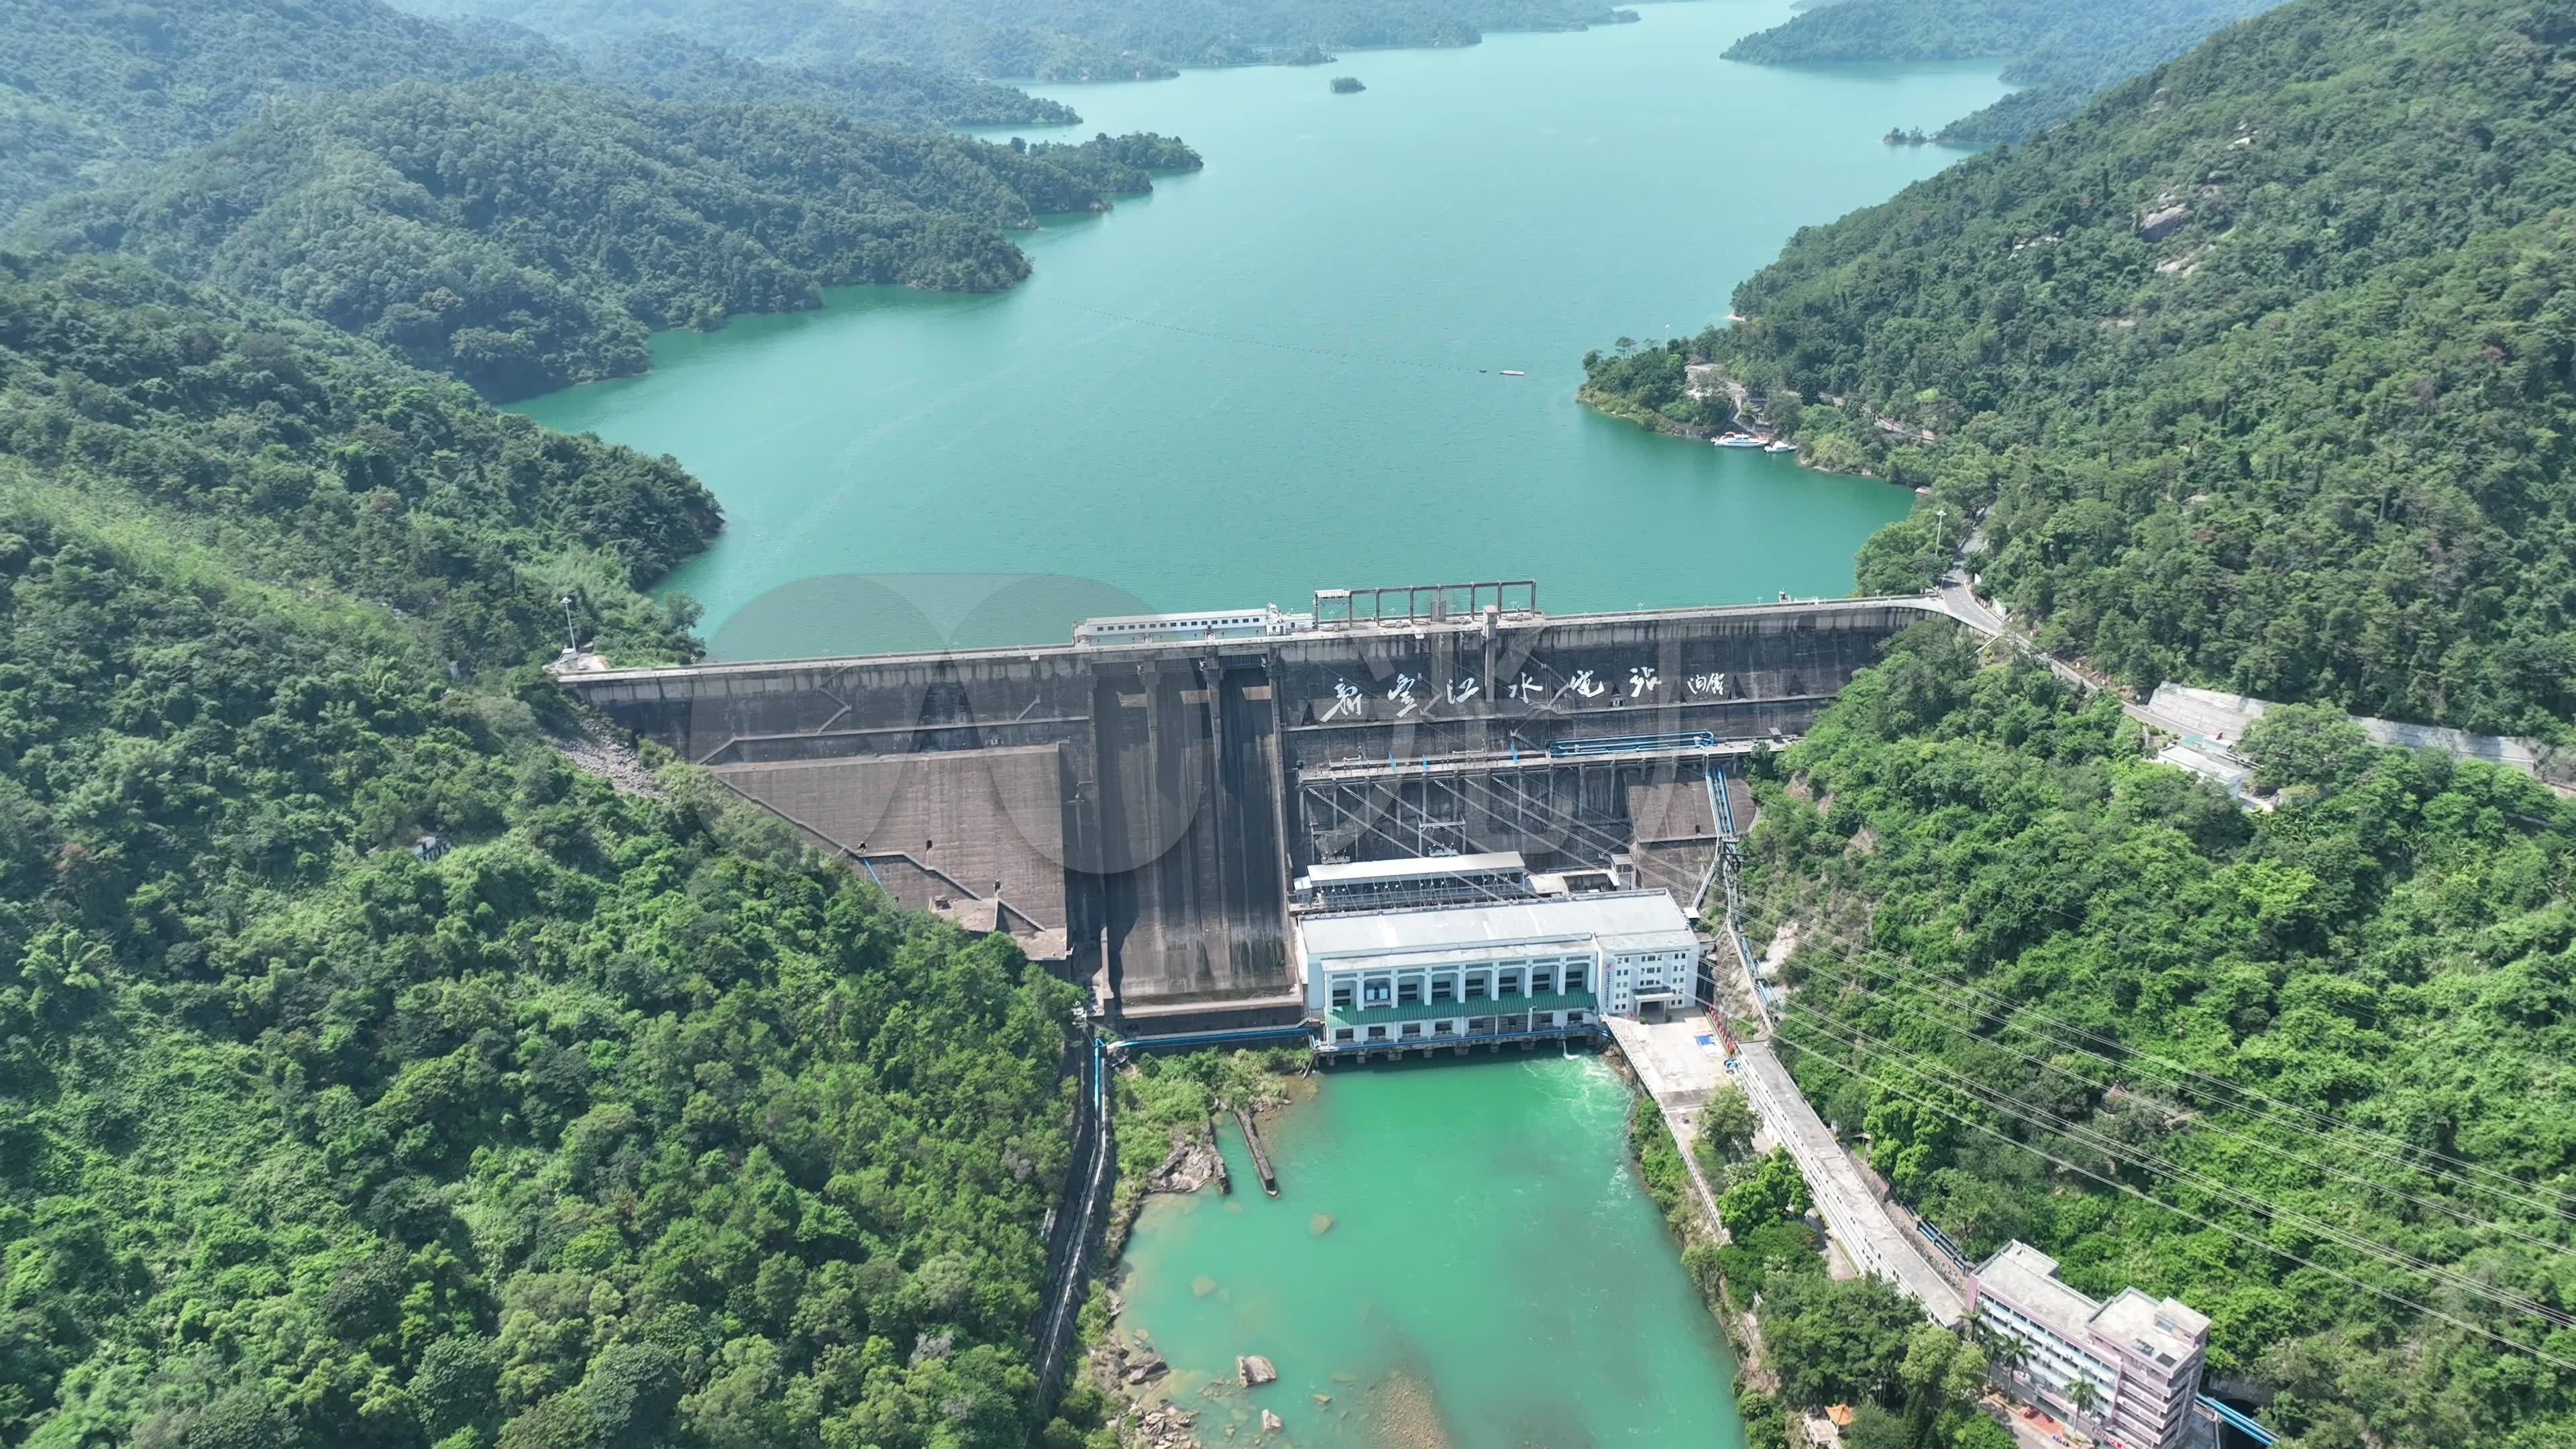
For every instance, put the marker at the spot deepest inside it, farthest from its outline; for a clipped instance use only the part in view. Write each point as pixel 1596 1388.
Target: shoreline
pixel 1037 221
pixel 1614 406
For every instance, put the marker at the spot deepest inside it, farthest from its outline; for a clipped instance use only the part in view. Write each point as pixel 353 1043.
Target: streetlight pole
pixel 572 635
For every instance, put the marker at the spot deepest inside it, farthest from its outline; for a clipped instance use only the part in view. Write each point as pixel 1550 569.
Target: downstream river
pixel 1283 372
pixel 1491 1277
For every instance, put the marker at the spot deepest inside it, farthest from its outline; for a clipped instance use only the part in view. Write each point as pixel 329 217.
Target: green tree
pixel 2302 744
pixel 455 1382
pixel 1839 1341
pixel 1771 1189
pixel 1727 1121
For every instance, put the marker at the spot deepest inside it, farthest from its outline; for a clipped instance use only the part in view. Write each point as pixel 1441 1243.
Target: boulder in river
pixel 1191 1164
pixel 1320 1224
pixel 1270 1422
pixel 1252 1369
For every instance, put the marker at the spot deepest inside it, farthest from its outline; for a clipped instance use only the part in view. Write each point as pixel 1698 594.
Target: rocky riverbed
pixel 1168 1411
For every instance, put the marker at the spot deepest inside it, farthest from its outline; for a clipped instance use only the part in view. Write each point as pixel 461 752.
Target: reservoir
pixel 1492 1276
pixel 1283 372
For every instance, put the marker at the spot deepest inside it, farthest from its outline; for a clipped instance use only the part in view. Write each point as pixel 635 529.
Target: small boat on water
pixel 1779 447
pixel 1514 372
pixel 1737 440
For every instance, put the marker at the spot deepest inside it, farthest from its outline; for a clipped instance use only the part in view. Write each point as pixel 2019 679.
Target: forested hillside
pixel 2083 999
pixel 92 88
pixel 620 1121
pixel 1022 39
pixel 93 92
pixel 2059 51
pixel 662 66
pixel 523 235
pixel 2263 365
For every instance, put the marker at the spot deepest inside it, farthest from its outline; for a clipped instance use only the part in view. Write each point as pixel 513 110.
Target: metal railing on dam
pixel 1144 805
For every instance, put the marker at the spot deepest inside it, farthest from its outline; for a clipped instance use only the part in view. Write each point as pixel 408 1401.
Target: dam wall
pixel 1142 808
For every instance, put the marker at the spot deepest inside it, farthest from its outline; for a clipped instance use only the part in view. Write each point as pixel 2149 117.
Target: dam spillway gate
pixel 1142 805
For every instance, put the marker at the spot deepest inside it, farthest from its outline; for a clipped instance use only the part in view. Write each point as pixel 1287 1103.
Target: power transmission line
pixel 2241 1235
pixel 2564 1204
pixel 2453 1210
pixel 1941 1074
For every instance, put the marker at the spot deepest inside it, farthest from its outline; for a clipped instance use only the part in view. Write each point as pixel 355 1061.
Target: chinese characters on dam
pixel 1413 692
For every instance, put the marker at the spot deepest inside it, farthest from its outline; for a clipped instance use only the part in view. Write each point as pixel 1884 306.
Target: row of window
pixel 1454 1027
pixel 2048 1346
pixel 1178 621
pixel 1349 991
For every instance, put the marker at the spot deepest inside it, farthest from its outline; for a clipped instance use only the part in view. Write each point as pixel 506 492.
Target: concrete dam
pixel 1138 803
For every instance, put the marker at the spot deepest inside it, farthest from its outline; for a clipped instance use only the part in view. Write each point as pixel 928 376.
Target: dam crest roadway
pixel 1134 806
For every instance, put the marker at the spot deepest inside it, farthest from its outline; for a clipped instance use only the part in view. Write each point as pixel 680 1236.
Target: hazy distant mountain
pixel 1020 39
pixel 2059 51
pixel 90 89
pixel 664 65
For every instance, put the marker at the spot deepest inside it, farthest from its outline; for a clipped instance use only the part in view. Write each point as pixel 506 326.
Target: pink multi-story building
pixel 2141 1355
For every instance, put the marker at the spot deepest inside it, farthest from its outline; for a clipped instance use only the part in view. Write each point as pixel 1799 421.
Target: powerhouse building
pixel 2142 1355
pixel 1399 955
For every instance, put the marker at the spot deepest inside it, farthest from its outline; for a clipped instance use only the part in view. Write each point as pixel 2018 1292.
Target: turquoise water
pixel 1492 1277
pixel 1283 372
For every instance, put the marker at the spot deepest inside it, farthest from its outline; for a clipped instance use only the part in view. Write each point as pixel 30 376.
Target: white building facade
pixel 1505 970
pixel 2141 1356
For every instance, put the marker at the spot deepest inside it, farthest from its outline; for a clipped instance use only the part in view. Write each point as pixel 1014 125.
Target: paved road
pixel 1678 1073
pixel 1860 1222
pixel 1963 604
pixel 2187 717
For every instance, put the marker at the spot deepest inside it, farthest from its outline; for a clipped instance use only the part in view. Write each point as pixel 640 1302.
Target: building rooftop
pixel 1415 868
pixel 1186 618
pixel 2165 1330
pixel 1619 921
pixel 2027 1278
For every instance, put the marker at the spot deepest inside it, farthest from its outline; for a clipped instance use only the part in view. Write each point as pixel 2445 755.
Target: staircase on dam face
pixel 1139 809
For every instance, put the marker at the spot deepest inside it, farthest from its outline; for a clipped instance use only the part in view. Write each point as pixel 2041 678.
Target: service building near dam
pixel 1409 818
pixel 1481 952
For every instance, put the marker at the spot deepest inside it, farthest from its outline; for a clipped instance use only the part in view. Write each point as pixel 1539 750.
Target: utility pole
pixel 1940 516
